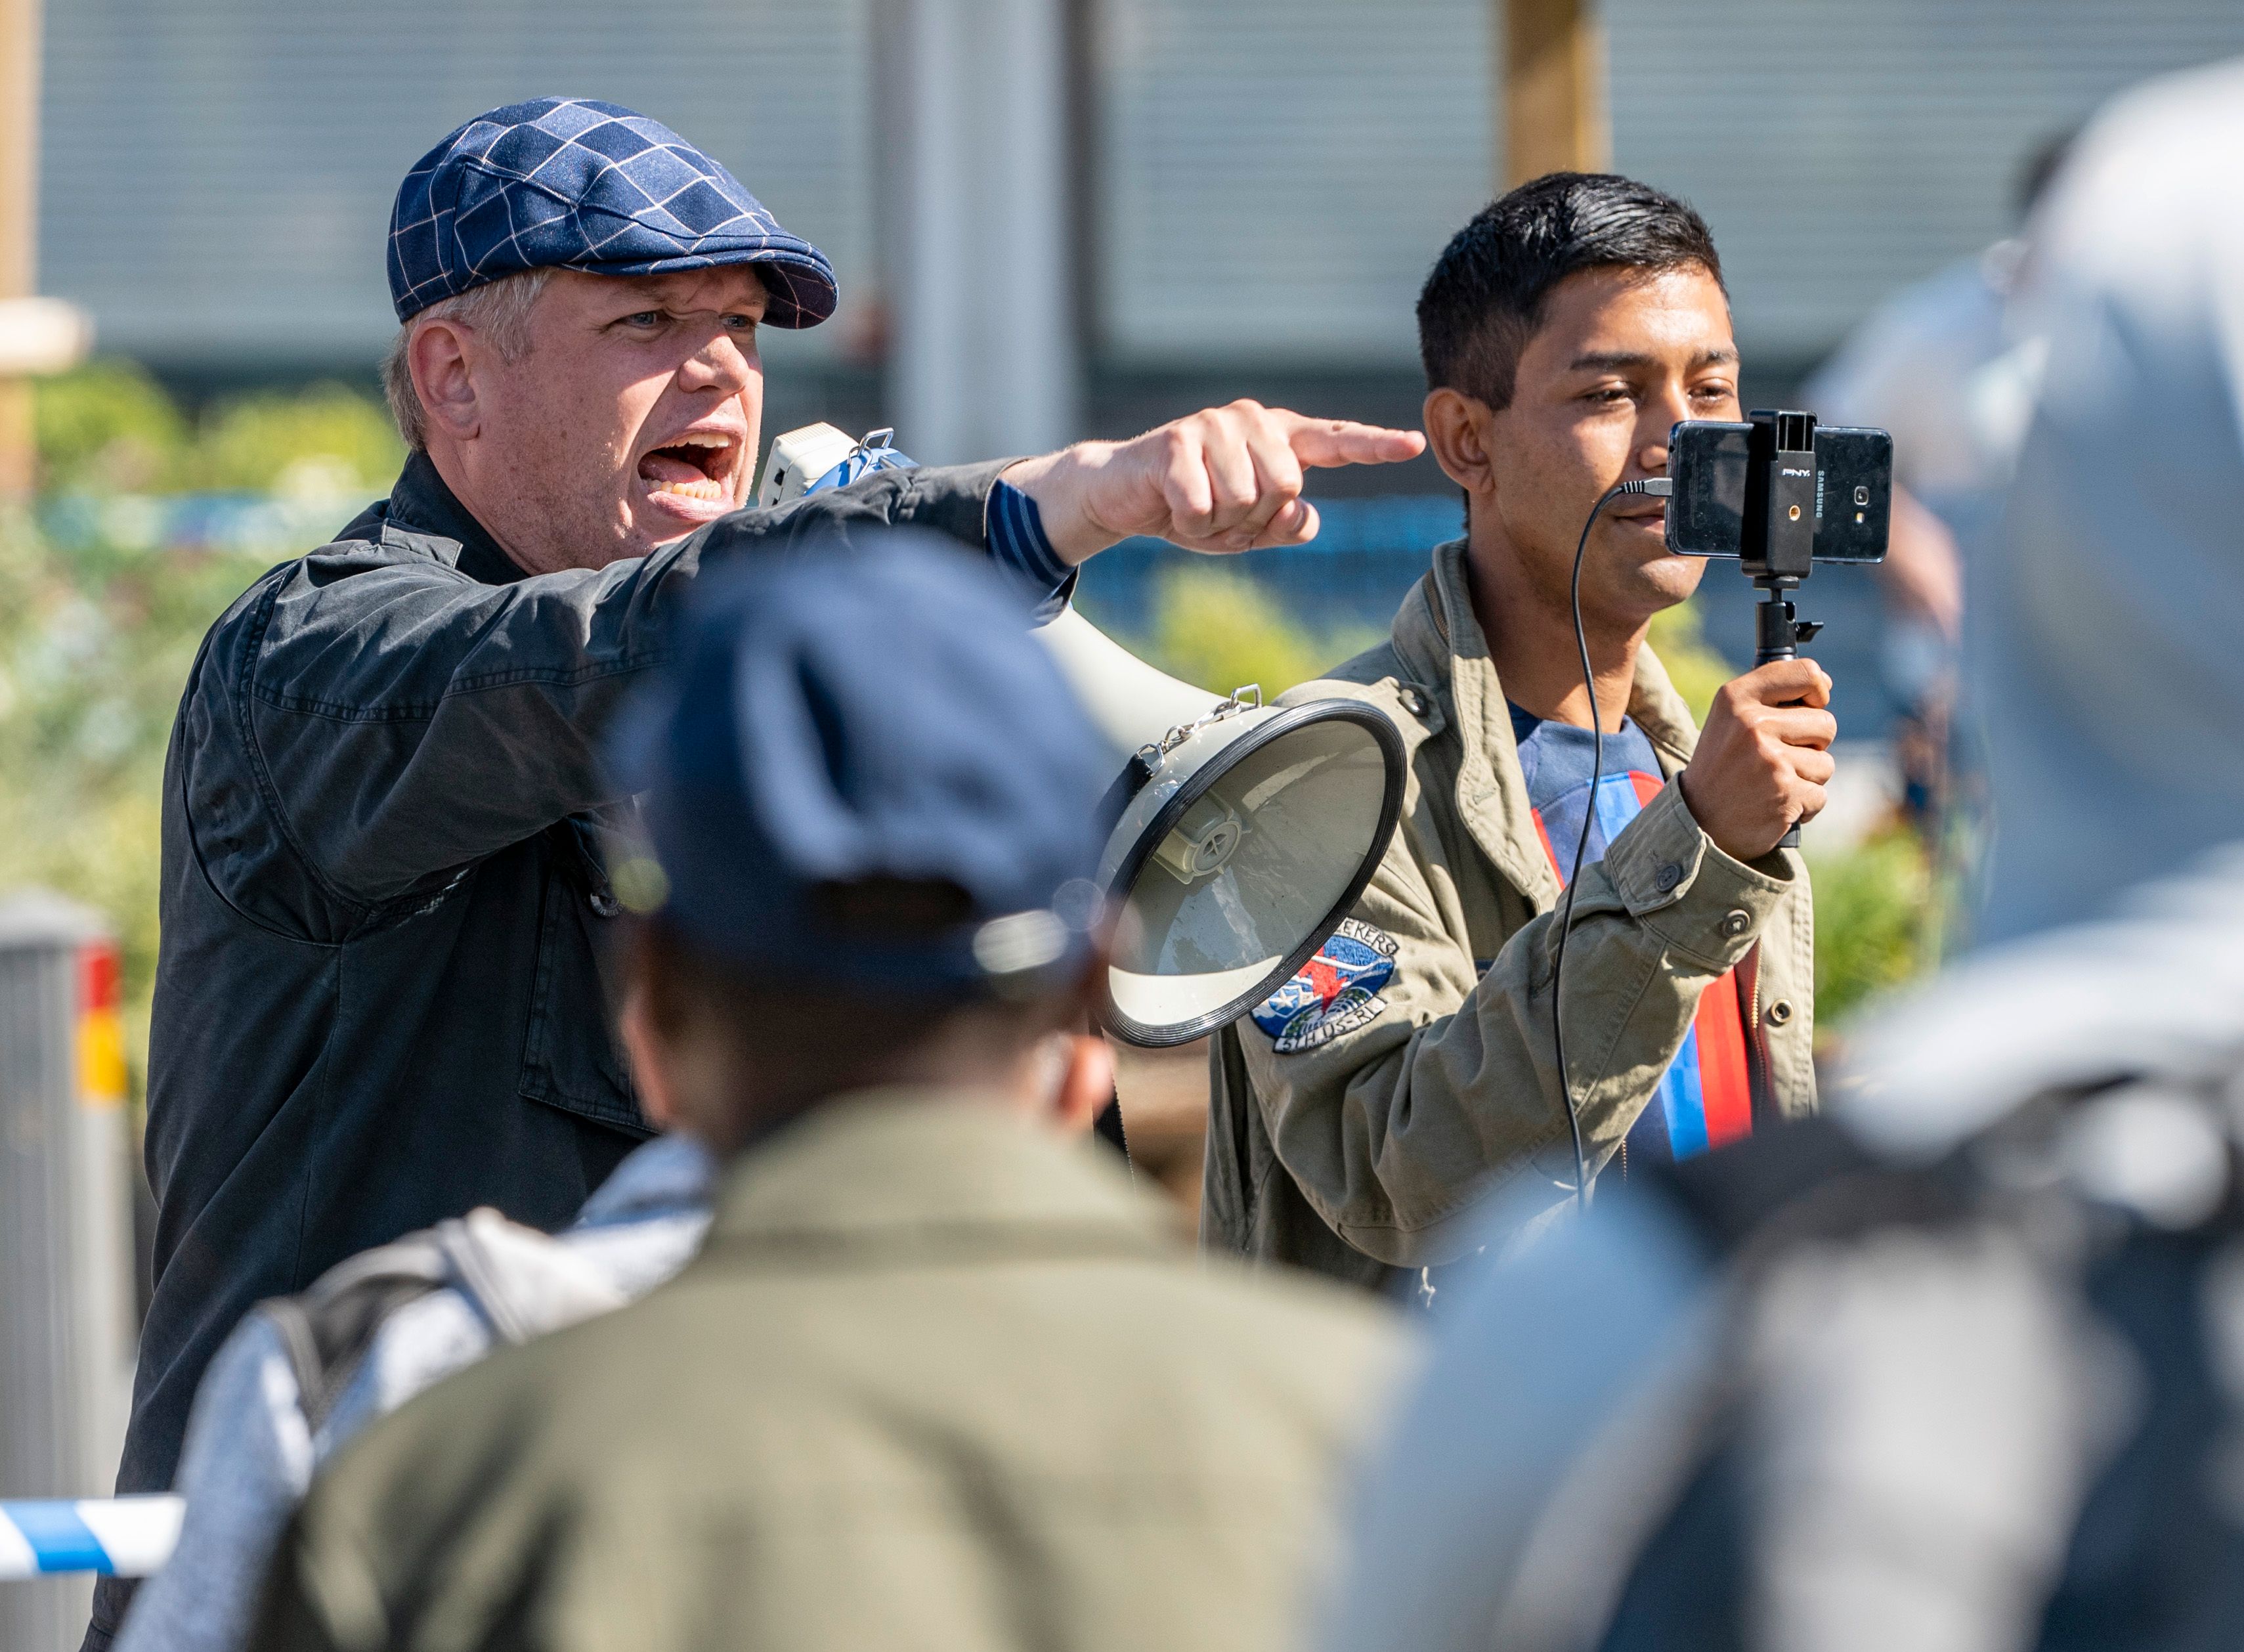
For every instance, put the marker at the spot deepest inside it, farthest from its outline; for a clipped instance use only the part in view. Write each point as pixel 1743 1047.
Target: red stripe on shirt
pixel 1725 1085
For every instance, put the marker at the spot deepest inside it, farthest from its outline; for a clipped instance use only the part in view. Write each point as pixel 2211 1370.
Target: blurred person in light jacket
pixel 1959 1366
pixel 940 1376
pixel 1914 366
pixel 303 1375
pixel 1949 365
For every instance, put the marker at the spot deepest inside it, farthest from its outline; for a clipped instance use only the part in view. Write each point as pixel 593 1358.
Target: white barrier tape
pixel 124 1536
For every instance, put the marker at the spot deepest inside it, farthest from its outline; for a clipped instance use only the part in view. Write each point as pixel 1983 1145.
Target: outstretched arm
pixel 1223 479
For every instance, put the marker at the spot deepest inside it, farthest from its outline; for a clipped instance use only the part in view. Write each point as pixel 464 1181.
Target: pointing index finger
pixel 1327 443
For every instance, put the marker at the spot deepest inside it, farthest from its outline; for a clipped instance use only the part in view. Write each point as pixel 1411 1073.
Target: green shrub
pixel 1876 922
pixel 1695 670
pixel 1221 629
pixel 108 427
pixel 327 438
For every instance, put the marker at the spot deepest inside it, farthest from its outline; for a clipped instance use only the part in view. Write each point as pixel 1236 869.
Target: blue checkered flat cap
pixel 569 183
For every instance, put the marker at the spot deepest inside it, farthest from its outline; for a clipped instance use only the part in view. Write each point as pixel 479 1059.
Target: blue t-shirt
pixel 1556 758
pixel 1705 1097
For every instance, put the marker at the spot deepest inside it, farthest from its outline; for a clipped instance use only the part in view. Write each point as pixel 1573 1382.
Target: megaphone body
pixel 1243 835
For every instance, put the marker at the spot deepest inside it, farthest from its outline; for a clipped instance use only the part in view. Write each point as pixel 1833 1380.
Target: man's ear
pixel 445 359
pixel 1458 428
pixel 650 1060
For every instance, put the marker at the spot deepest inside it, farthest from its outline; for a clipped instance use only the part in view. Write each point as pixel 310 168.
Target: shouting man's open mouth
pixel 694 477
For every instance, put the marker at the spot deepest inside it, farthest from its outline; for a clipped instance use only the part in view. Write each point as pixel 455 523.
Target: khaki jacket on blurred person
pixel 1359 1155
pixel 940 1379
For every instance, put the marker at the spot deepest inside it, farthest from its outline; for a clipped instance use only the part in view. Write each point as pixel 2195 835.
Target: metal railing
pixel 66 1286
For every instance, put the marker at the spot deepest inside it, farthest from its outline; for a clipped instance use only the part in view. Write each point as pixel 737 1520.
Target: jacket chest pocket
pixel 570 1059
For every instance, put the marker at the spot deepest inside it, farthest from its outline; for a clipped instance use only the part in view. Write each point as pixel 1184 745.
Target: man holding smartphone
pixel 1361 1111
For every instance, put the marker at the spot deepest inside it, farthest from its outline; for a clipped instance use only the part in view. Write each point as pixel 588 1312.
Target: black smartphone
pixel 1854 489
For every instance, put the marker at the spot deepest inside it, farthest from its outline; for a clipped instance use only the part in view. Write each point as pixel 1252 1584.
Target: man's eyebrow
pixel 1623 361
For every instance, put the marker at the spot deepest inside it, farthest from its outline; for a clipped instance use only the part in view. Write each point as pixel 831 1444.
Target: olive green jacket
pixel 1361 1154
pixel 939 1379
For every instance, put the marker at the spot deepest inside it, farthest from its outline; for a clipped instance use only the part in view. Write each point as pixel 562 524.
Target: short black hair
pixel 786 1045
pixel 1485 299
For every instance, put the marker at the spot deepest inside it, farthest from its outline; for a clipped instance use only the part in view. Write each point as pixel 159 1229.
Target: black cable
pixel 1658 487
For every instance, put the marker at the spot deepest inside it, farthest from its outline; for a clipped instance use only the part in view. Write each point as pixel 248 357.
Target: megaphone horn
pixel 1243 833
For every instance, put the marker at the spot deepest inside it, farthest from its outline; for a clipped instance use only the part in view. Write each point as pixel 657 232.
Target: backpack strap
pixel 329 1329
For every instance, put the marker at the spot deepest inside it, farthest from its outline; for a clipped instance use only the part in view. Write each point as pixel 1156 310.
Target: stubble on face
pixel 1620 356
pixel 631 420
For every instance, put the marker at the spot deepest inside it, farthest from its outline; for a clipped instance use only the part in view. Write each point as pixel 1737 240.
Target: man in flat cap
pixel 380 999
pixel 941 1377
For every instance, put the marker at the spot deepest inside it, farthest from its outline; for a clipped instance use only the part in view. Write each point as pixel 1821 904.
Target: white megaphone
pixel 1242 832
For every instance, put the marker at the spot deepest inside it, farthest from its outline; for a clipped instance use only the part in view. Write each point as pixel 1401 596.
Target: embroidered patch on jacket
pixel 1337 992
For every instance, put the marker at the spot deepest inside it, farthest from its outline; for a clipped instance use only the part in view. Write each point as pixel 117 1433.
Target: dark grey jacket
pixel 380 998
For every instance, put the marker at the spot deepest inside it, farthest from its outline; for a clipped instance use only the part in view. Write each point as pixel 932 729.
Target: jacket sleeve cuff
pixel 1697 899
pixel 1014 530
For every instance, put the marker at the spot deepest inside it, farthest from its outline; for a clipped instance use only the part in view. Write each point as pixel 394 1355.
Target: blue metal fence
pixel 1354 574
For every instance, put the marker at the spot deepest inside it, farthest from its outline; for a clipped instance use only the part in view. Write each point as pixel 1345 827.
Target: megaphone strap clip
pixel 1146 762
pixel 1230 708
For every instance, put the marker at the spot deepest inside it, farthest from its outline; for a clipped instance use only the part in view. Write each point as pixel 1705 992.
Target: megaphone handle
pixel 1108 1127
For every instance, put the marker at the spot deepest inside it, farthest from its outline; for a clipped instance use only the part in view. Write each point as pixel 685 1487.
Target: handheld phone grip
pixel 1777 635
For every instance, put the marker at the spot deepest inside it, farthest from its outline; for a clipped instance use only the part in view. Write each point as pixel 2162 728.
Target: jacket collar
pixel 1439 640
pixel 904 1174
pixel 423 504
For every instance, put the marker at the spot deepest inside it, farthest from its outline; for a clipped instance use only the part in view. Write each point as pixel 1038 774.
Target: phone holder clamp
pixel 1778 538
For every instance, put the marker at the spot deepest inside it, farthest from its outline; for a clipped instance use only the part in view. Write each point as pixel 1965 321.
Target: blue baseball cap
pixel 844 730
pixel 570 183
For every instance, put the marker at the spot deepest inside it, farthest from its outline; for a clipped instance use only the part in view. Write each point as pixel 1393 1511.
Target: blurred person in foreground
pixel 1917 367
pixel 1949 365
pixel 1962 1365
pixel 383 993
pixel 938 1376
pixel 1361 1111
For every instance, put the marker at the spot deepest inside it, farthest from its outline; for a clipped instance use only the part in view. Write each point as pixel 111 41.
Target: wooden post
pixel 1554 89
pixel 19 219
